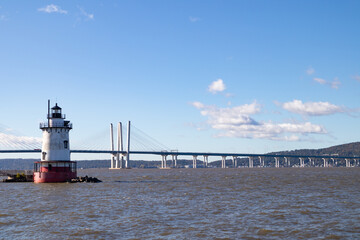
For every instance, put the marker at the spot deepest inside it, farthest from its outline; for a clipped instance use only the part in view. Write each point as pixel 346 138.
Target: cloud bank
pixel 334 84
pixel 52 9
pixel 312 108
pixel 237 122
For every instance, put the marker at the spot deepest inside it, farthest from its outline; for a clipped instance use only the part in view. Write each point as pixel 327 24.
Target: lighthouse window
pixel 66 144
pixel 43 155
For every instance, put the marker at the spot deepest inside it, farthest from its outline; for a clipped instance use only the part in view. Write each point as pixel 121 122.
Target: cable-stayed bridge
pixel 143 144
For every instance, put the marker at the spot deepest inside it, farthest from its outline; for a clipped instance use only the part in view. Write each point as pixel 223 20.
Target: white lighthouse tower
pixel 55 164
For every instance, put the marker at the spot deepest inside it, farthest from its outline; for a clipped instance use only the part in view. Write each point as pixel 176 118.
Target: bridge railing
pixel 60 125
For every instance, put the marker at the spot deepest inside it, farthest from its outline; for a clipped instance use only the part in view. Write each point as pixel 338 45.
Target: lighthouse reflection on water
pixel 55 164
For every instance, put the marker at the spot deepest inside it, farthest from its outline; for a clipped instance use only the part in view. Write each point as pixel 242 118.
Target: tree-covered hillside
pixel 349 150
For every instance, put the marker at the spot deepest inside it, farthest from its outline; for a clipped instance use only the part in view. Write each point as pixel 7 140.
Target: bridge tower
pixel 55 164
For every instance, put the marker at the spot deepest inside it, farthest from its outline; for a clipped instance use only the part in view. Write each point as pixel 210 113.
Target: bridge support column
pixel 194 161
pixel 117 161
pixel 206 161
pixel 174 160
pixel 223 162
pixel 163 161
pixel 261 161
pixel 286 163
pixel 119 157
pixel 310 162
pixel 127 162
pixel 333 162
pixel 235 161
pixel 251 162
pixel 112 161
pixel 347 162
pixel 121 160
pixel 277 162
pixel 302 164
pixel 326 163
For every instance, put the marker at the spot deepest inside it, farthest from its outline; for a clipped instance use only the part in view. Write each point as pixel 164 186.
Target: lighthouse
pixel 55 164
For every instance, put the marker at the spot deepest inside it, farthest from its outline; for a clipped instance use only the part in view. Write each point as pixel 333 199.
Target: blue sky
pixel 216 76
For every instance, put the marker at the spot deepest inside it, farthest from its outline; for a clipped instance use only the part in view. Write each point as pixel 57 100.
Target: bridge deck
pixel 190 154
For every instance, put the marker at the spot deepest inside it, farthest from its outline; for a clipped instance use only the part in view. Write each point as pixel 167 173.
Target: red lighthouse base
pixel 54 171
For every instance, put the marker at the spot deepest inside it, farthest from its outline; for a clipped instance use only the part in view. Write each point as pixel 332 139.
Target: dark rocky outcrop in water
pixel 19 177
pixel 85 179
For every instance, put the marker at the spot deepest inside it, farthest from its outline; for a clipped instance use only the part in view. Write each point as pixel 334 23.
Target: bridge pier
pixel 127 162
pixel 117 161
pixel 333 162
pixel 163 161
pixel 117 154
pixel 310 162
pixel 120 161
pixel 347 162
pixel 206 161
pixel 277 162
pixel 112 160
pixel 326 162
pixel 174 160
pixel 235 161
pixel 261 161
pixel 302 163
pixel 223 162
pixel 194 161
pixel 286 162
pixel 111 146
pixel 120 157
pixel 251 162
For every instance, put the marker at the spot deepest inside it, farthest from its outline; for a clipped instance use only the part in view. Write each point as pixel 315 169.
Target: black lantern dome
pixel 56 112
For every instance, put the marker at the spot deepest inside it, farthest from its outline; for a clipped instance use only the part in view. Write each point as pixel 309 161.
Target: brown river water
pixel 267 203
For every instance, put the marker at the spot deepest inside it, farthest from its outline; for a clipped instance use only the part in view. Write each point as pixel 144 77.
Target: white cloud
pixel 320 80
pixel 52 9
pixel 198 105
pixel 87 15
pixel 216 86
pixel 194 19
pixel 9 141
pixel 310 71
pixel 237 122
pixel 312 108
pixel 230 115
pixel 334 84
pixel 272 131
